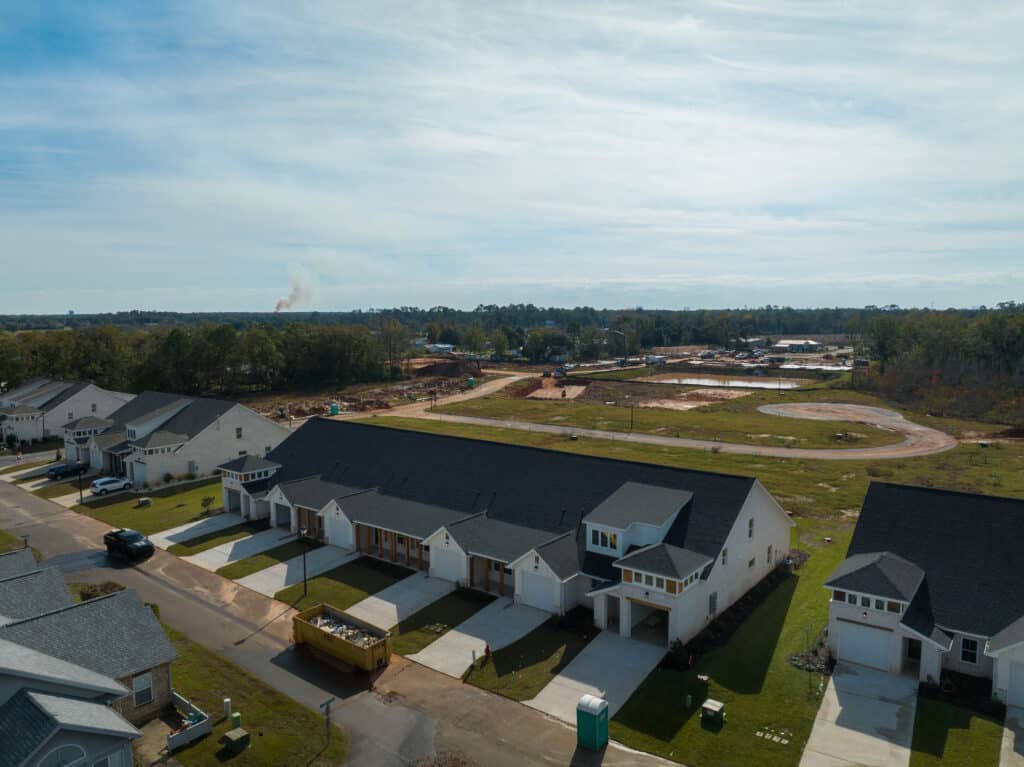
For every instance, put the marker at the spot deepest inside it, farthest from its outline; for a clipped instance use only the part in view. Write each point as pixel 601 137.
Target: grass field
pixel 210 540
pixel 343 586
pixel 265 559
pixel 284 733
pixel 816 488
pixel 524 668
pixel 437 619
pixel 171 507
pixel 9 542
pixel 949 735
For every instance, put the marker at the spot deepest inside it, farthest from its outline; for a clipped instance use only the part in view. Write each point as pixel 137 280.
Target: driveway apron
pixel 397 602
pixel 191 530
pixel 1012 751
pixel 272 579
pixel 226 553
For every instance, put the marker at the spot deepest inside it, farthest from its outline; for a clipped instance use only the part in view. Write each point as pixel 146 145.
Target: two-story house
pixel 40 408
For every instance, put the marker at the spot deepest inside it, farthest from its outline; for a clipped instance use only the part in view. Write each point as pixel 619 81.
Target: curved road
pixel 919 440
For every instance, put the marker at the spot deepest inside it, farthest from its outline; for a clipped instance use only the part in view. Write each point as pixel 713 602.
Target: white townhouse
pixel 40 408
pixel 655 552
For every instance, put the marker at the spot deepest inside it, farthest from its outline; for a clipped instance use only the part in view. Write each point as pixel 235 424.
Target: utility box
pixel 592 722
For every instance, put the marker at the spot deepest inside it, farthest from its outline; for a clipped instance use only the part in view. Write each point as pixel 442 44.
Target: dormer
pixel 248 468
pixel 634 515
pixel 146 424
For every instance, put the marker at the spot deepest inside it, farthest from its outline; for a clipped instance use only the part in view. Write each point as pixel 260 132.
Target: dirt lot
pixel 696 398
pixel 551 388
pixel 755 383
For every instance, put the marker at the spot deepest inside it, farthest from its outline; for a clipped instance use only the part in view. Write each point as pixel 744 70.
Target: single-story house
pixel 31 593
pixel 157 434
pixel 652 550
pixel 797 345
pixel 116 636
pixel 933 581
pixel 40 408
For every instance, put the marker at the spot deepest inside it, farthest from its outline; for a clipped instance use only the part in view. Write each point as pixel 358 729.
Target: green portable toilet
pixel 335 408
pixel 592 722
pixel 471 382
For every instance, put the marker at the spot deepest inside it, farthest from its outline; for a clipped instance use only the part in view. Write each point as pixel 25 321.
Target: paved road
pixel 920 440
pixel 413 711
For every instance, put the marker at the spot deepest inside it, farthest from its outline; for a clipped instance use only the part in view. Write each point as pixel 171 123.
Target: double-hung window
pixel 142 689
pixel 968 650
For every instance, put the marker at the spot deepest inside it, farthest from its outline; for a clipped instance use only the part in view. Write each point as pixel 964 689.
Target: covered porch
pixel 491 575
pixel 632 617
pixel 391 546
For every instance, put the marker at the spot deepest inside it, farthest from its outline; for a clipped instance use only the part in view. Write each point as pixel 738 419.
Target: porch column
pixel 601 611
pixel 472 567
pixel 394 546
pixel 419 555
pixel 625 617
pixel 407 560
pixel 356 533
pixel 501 581
pixel 380 543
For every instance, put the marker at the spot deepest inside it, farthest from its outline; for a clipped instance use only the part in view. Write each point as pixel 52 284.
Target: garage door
pixel 538 591
pixel 338 529
pixel 1015 691
pixel 865 645
pixel 447 564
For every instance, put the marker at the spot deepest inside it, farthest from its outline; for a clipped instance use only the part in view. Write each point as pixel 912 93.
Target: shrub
pixel 168 478
pixel 190 476
pixel 92 590
pixel 207 502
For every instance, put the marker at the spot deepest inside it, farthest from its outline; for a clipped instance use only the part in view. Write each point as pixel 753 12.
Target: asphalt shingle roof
pixel 1008 637
pixel 968 546
pixel 666 560
pixel 503 541
pixel 20 661
pixel 562 555
pixel 115 635
pixel 635 502
pixel 144 404
pixel 24 727
pixel 196 416
pixel 88 422
pixel 17 562
pixel 83 715
pixel 881 573
pixel 527 487
pixel 63 396
pixel 400 514
pixel 32 593
pixel 248 463
pixel 313 492
pixel 919 617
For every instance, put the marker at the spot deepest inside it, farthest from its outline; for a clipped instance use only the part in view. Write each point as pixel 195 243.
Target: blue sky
pixel 204 156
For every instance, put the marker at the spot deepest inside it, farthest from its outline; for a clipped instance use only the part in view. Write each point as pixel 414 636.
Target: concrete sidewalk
pixel 610 667
pixel 190 530
pixel 215 558
pixel 1012 752
pixel 499 624
pixel 397 602
pixel 272 579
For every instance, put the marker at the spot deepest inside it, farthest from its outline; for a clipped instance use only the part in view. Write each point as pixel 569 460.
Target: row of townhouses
pixel 40 408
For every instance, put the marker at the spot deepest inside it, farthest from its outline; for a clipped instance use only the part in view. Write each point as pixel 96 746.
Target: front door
pixel 913 650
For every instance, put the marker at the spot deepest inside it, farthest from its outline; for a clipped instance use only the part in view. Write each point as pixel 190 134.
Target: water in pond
pixel 736 383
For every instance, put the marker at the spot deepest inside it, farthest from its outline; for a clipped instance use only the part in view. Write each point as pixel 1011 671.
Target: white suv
pixel 105 485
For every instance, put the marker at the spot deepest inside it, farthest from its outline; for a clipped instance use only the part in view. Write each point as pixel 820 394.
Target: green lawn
pixel 524 668
pixel 284 733
pixel 64 488
pixel 216 538
pixel 9 542
pixel 948 735
pixel 171 507
pixel 343 586
pixel 265 559
pixel 805 487
pixel 749 674
pixel 437 619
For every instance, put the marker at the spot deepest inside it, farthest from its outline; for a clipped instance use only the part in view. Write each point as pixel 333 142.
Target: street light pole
pixel 305 548
pixel 81 499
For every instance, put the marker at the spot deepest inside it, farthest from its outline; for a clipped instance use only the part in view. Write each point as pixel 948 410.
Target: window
pixel 750 528
pixel 751 562
pixel 659 583
pixel 399 539
pixel 267 449
pixel 508 571
pixel 142 689
pixel 725 557
pixel 851 598
pixel 238 432
pixel 613 540
pixel 115 759
pixel 879 604
pixel 71 415
pixel 865 601
pixel 769 555
pixel 839 596
pixel 648 580
pixel 92 407
pixel 62 756
pixel 595 537
pixel 496 566
pixel 712 603
pixel 536 561
pixel 968 650
pixel 604 540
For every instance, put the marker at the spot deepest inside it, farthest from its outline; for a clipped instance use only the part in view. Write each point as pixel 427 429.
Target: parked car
pixel 128 545
pixel 65 470
pixel 105 485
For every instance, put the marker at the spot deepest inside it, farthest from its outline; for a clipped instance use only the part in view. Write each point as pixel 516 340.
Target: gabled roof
pixel 920 618
pixel 32 593
pixel 18 410
pixel 161 438
pixel 196 416
pixel 248 463
pixel 492 538
pixel 19 392
pixel 17 562
pixel 664 559
pixel 968 546
pixel 313 492
pixel 393 513
pixel 882 574
pixel 634 502
pixel 562 555
pixel 88 422
pixel 115 635
pixel 64 395
pixel 24 727
pixel 112 440
pixel 1011 636
pixel 141 406
pixel 545 490
pixel 83 715
pixel 20 661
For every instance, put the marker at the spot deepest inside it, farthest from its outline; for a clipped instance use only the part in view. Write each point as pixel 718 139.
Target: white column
pixel 601 611
pixel 625 617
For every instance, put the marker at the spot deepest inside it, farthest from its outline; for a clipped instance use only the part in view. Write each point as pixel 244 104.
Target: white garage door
pixel 338 529
pixel 1015 691
pixel 538 591
pixel 865 645
pixel 447 564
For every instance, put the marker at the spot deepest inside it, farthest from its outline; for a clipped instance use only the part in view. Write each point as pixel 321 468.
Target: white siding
pixel 447 560
pixel 80 405
pixel 337 527
pixel 1003 667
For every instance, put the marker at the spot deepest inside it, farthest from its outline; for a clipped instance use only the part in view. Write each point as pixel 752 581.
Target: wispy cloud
pixel 715 153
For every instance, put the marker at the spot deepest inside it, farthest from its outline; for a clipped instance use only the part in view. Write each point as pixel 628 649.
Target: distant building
pixel 439 348
pixel 798 345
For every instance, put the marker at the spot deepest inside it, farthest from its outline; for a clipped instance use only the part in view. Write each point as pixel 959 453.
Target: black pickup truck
pixel 128 545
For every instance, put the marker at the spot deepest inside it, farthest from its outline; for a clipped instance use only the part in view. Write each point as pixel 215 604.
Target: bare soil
pixel 553 388
pixel 696 398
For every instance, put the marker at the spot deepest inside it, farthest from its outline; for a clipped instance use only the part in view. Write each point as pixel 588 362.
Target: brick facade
pixel 161 697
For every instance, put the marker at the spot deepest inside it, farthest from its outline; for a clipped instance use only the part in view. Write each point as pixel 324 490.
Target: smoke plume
pixel 301 293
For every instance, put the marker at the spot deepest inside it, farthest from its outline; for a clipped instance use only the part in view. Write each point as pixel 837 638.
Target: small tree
pixel 206 503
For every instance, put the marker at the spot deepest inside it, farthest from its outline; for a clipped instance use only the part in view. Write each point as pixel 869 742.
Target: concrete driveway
pixel 866 718
pixel 215 558
pixel 610 667
pixel 499 624
pixel 397 602
pixel 190 530
pixel 272 579
pixel 1012 752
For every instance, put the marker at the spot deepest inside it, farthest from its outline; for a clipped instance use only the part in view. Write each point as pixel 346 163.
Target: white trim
pixel 922 637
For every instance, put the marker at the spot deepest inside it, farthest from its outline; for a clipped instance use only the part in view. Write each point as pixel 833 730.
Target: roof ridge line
pixel 27 573
pixel 94 600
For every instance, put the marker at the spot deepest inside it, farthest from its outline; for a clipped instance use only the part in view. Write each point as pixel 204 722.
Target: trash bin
pixel 592 722
pixel 236 719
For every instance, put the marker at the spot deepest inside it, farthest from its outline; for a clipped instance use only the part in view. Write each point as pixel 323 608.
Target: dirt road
pixel 919 440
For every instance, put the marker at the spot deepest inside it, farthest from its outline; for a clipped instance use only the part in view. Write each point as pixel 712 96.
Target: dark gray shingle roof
pixel 248 463
pixel 88 422
pixel 882 574
pixel 919 617
pixel 83 715
pixel 635 502
pixel 313 492
pixel 63 396
pixel 20 661
pixel 503 541
pixel 17 562
pixel 24 727
pixel 562 555
pixel 144 404
pixel 1009 637
pixel 115 635
pixel 968 546
pixel 400 514
pixel 32 593
pixel 666 560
